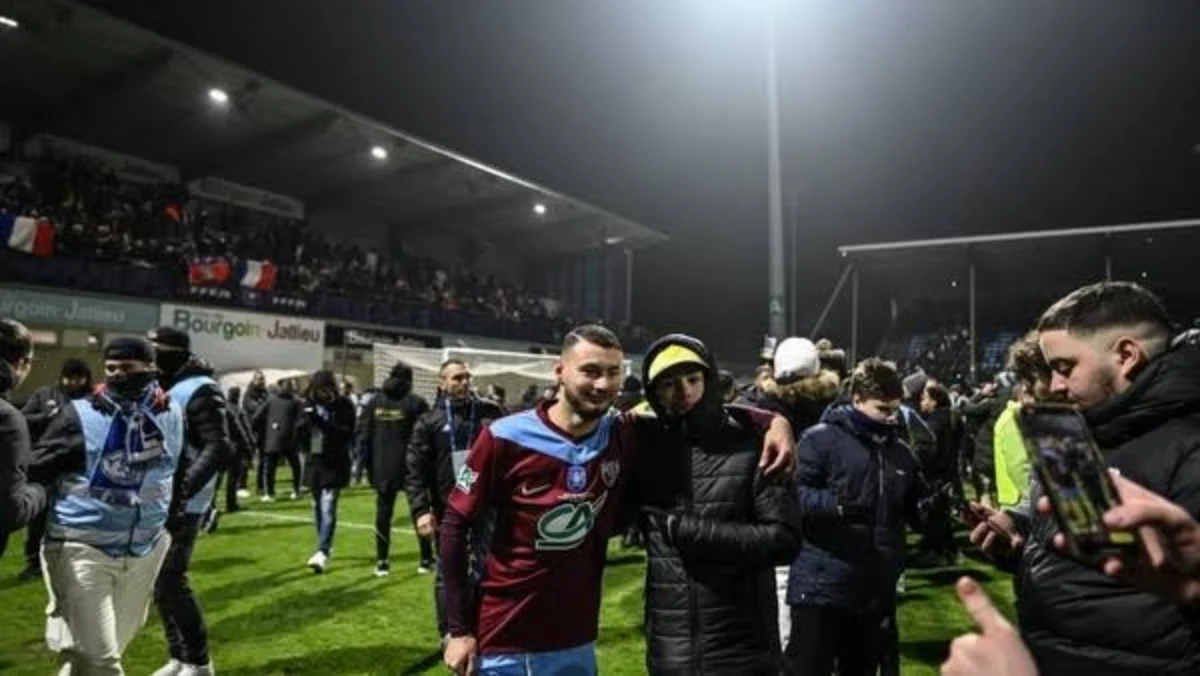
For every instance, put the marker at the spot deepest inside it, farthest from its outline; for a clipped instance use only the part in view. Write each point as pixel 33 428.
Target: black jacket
pixel 42 406
pixel 714 528
pixel 280 419
pixel 385 429
pixel 858 489
pixel 1078 621
pixel 982 414
pixel 332 428
pixel 20 500
pixel 430 465
pixel 206 429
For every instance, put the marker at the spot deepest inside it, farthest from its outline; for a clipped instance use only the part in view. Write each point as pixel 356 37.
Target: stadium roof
pixel 84 75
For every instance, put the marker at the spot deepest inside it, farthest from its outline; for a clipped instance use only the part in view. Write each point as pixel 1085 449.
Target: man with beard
pixel 550 481
pixel 1109 347
pixel 75 382
pixel 714 526
pixel 438 450
pixel 189 382
pixel 112 460
pixel 385 430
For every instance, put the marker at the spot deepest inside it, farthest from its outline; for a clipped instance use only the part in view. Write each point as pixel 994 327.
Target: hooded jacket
pixel 714 529
pixel 331 424
pixel 858 485
pixel 20 500
pixel 279 420
pixel 802 402
pixel 430 452
pixel 1076 620
pixel 386 428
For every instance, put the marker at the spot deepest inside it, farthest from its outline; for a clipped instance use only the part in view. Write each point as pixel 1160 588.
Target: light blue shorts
pixel 577 661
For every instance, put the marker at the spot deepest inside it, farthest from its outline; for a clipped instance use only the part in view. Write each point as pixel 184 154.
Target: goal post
pixel 514 371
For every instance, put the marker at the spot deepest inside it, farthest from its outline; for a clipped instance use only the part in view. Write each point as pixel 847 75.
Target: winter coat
pixel 1076 620
pixel 385 430
pixel 430 462
pixel 714 529
pixel 328 462
pixel 857 490
pixel 280 418
pixel 206 429
pixel 20 500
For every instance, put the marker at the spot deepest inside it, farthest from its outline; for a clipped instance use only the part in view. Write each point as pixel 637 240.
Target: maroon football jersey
pixel 555 501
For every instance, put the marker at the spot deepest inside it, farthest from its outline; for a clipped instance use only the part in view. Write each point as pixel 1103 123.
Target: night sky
pixel 901 119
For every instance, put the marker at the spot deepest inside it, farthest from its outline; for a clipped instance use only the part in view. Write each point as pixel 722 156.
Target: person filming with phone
pixel 1109 349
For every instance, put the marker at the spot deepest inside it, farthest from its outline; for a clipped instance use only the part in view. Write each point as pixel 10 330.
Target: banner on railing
pixel 228 192
pixel 209 271
pixel 127 167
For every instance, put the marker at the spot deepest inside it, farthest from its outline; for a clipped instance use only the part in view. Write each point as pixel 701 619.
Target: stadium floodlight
pixel 379 152
pixel 218 96
pixel 612 241
pixel 9 22
pixel 539 209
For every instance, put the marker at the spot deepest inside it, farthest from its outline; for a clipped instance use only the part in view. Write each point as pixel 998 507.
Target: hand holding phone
pixel 1075 479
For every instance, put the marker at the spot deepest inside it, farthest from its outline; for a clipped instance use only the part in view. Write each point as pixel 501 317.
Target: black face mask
pixel 77 392
pixel 170 361
pixel 130 386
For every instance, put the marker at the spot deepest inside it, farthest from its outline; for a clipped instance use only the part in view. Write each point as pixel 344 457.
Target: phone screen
pixel 1074 476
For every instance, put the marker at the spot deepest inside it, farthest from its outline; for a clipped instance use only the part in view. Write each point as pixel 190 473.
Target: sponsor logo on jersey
pixel 527 490
pixel 610 470
pixel 466 479
pixel 567 525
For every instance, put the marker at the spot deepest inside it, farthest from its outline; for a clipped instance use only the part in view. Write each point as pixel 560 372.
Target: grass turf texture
pixel 268 613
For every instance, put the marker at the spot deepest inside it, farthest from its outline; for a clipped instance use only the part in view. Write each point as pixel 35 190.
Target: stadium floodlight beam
pixel 9 22
pixel 379 152
pixel 539 209
pixel 218 96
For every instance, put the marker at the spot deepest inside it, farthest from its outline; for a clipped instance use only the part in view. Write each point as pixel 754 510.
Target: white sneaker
pixel 318 562
pixel 294 496
pixel 266 498
pixel 243 493
pixel 901 586
pixel 193 670
pixel 172 668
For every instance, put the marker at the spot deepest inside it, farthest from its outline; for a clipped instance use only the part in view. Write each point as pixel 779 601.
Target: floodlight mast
pixel 967 242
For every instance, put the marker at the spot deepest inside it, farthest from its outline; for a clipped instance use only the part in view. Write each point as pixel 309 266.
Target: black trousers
pixel 271 464
pixel 35 531
pixel 824 638
pixel 229 478
pixel 385 509
pixel 183 623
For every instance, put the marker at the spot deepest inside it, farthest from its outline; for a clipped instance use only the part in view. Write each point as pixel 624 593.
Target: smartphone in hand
pixel 1075 477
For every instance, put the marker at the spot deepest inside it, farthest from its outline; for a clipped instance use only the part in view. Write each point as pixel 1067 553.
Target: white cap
pixel 796 358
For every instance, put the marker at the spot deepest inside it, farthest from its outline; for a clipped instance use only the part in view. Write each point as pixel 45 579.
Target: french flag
pixel 27 234
pixel 258 274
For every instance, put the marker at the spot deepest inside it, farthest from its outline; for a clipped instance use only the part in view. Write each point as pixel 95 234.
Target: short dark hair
pixel 595 334
pixel 16 342
pixel 452 361
pixel 1106 305
pixel 875 378
pixel 939 394
pixel 1026 361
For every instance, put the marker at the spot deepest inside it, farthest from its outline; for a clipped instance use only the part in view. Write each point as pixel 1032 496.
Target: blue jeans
pixel 325 516
pixel 577 661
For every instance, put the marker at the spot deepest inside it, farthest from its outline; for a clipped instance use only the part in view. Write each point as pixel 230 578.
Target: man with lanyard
pixel 385 430
pixel 208 447
pixel 111 459
pixel 437 453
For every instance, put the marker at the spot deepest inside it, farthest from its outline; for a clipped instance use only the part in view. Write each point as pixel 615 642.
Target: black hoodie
pixel 1076 620
pixel 714 527
pixel 384 430
pixel 20 500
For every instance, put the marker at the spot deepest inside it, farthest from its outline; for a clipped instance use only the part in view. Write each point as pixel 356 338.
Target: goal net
pixel 514 371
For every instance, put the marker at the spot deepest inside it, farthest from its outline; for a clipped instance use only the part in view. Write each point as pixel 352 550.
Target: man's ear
pixel 1130 356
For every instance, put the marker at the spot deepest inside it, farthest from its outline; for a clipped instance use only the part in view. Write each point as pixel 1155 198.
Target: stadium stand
pixel 347 219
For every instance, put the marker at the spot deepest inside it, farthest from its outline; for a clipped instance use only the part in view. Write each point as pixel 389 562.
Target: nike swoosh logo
pixel 526 491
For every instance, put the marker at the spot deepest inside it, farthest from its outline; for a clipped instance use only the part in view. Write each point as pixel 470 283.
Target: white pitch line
pixel 272 516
